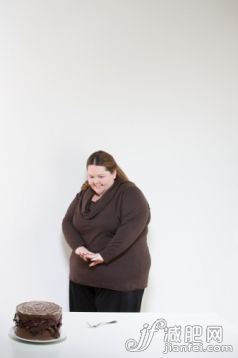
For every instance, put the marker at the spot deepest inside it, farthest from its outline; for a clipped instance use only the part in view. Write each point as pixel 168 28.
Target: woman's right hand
pixel 83 252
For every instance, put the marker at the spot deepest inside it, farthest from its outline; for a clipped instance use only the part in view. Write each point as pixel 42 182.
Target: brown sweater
pixel 116 227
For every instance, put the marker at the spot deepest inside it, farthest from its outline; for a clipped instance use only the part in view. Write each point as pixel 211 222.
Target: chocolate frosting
pixel 39 308
pixel 38 320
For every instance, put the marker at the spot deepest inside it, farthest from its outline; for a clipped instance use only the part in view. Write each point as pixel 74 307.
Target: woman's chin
pixel 98 192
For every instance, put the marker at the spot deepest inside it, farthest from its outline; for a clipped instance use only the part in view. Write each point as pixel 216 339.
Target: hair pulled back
pixel 106 160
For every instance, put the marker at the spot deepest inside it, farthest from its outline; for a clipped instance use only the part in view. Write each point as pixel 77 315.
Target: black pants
pixel 92 299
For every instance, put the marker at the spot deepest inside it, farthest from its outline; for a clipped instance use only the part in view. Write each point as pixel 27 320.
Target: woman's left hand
pixel 95 259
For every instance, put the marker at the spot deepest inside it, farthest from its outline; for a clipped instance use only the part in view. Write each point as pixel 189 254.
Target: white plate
pixel 13 335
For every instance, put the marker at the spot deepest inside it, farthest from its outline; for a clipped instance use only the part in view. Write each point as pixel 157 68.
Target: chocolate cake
pixel 38 320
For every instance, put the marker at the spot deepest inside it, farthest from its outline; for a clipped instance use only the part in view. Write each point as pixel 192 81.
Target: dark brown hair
pixel 106 160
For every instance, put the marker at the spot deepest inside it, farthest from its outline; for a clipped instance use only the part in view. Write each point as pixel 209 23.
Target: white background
pixel 153 82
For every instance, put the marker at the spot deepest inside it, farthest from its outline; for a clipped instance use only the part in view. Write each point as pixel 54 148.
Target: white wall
pixel 152 82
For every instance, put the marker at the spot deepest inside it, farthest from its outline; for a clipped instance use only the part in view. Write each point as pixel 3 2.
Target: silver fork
pixel 100 324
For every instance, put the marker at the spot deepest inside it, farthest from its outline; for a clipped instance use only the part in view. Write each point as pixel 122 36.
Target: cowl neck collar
pixel 100 203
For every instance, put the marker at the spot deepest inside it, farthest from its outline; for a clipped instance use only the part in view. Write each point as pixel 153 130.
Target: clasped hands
pixel 86 255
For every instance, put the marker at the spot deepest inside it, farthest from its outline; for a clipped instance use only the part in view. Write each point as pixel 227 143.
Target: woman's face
pixel 100 179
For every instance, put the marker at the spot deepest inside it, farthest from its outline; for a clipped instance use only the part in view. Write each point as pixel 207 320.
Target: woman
pixel 106 228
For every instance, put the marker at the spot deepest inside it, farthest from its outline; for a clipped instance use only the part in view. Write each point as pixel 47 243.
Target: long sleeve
pixel 116 227
pixel 135 216
pixel 72 236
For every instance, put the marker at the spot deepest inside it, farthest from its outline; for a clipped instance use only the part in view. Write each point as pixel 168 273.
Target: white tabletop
pixel 116 340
